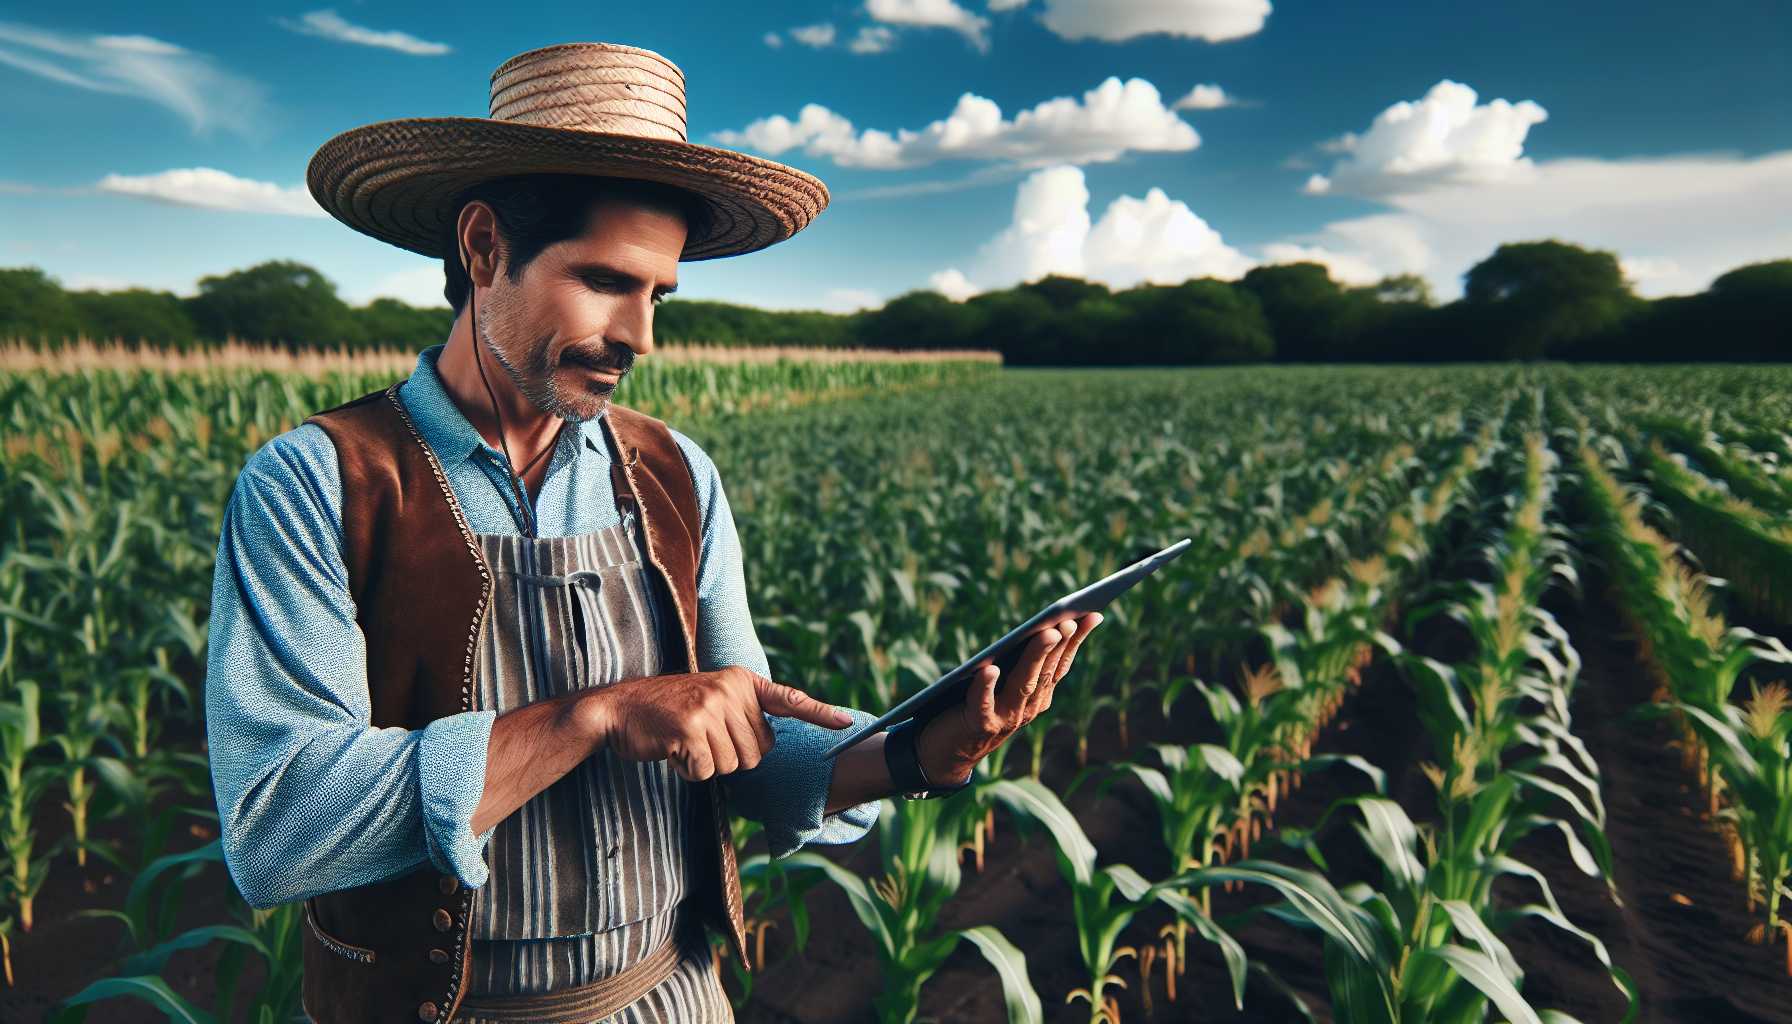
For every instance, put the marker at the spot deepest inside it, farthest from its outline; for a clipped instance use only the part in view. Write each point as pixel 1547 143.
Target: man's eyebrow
pixel 605 270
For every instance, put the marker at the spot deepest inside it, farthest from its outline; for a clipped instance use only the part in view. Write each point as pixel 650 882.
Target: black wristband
pixel 904 763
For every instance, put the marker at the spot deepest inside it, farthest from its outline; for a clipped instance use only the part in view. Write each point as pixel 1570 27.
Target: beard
pixel 531 371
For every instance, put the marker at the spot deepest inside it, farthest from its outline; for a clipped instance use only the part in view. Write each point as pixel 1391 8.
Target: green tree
pixel 135 316
pixel 277 302
pixel 1305 308
pixel 918 319
pixel 1535 300
pixel 33 307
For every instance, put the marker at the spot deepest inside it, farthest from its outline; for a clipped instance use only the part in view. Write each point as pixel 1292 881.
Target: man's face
pixel 582 310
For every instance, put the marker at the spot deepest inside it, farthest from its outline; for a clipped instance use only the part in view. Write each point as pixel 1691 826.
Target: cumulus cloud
pixel 1115 20
pixel 186 82
pixel 1006 5
pixel 1444 138
pixel 1205 97
pixel 1676 222
pixel 818 36
pixel 872 39
pixel 1152 239
pixel 931 14
pixel 951 282
pixel 213 190
pixel 1111 119
pixel 327 24
pixel 772 39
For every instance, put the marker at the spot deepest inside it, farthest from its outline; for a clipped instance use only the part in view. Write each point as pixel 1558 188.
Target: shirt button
pixel 443 920
pixel 427 1012
pixel 438 956
pixel 447 883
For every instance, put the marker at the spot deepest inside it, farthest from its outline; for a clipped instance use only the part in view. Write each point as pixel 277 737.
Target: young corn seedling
pixel 919 842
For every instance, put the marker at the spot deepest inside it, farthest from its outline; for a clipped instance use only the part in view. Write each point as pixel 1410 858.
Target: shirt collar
pixel 447 430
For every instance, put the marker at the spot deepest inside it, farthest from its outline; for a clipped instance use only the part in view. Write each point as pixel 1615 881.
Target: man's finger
pixel 745 739
pixel 779 699
pixel 1048 673
pixel 1018 684
pixel 721 748
pixel 982 698
pixel 763 730
pixel 693 762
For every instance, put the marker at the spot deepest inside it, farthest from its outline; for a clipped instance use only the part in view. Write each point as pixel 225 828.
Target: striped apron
pixel 587 877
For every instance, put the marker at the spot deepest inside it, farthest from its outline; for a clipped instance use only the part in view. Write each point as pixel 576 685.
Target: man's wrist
pixel 928 743
pixel 591 713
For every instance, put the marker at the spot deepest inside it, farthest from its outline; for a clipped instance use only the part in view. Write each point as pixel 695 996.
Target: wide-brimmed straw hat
pixel 601 109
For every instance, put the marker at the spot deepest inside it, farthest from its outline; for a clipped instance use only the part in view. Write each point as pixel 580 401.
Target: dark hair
pixel 536 210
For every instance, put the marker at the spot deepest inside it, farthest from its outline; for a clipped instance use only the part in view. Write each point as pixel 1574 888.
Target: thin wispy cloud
pixel 1110 120
pixel 327 24
pixel 212 189
pixel 189 83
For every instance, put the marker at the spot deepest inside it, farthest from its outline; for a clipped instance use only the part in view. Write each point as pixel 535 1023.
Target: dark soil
pixel 1680 931
pixel 65 952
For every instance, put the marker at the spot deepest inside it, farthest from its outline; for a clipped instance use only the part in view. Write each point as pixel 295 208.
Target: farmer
pixel 481 659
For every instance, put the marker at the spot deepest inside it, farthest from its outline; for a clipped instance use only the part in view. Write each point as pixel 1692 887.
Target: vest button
pixel 443 920
pixel 427 1012
pixel 438 956
pixel 447 884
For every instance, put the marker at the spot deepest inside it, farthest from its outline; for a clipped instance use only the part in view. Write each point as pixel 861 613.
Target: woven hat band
pixel 592 88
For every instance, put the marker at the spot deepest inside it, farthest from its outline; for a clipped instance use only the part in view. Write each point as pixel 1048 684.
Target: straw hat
pixel 576 108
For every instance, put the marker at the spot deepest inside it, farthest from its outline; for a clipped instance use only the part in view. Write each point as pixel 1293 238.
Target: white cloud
pixel 1111 119
pixel 186 82
pixel 819 35
pixel 931 14
pixel 327 24
pixel 872 39
pixel 1675 222
pixel 1115 20
pixel 951 281
pixel 1205 97
pixel 1444 138
pixel 215 190
pixel 771 39
pixel 416 286
pixel 1343 267
pixel 1006 5
pixel 1152 239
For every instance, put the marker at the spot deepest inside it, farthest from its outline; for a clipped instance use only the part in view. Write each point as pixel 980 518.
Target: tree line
pixel 1528 300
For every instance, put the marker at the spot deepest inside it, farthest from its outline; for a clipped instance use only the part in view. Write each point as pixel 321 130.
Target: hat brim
pixel 396 180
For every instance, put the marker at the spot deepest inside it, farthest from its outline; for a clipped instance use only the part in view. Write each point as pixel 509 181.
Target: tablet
pixel 950 688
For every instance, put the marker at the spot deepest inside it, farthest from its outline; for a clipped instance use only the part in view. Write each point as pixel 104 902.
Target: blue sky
pixel 968 144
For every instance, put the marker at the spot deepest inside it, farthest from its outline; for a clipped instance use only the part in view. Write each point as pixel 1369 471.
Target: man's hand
pixel 706 723
pixel 951 744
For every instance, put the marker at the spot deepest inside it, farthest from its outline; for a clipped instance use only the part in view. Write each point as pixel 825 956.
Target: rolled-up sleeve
pixel 788 790
pixel 311 796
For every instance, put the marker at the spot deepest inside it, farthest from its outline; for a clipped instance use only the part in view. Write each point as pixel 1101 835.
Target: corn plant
pixel 918 845
pixel 273 935
pixel 1411 951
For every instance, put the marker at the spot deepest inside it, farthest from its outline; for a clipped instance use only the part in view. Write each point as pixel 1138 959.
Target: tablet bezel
pixel 1116 583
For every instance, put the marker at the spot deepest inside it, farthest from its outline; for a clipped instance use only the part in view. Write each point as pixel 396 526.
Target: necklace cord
pixel 509 462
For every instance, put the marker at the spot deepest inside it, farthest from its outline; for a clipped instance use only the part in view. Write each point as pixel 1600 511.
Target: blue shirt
pixel 312 798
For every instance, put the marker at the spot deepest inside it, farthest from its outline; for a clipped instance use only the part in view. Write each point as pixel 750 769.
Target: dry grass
pixel 86 354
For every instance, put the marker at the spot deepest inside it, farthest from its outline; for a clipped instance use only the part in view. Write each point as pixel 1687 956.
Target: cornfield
pixel 1363 743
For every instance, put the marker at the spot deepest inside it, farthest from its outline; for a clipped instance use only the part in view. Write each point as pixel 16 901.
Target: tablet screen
pixel 950 688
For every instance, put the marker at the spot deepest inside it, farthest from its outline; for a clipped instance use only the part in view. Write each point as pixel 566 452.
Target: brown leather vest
pixel 397 950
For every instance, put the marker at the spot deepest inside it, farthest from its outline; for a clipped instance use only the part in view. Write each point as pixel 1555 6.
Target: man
pixel 481 659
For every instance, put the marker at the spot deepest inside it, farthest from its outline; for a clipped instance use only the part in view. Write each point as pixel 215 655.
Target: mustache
pixel 620 364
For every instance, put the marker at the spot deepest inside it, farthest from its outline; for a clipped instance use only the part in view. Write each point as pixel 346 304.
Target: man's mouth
pixel 591 366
